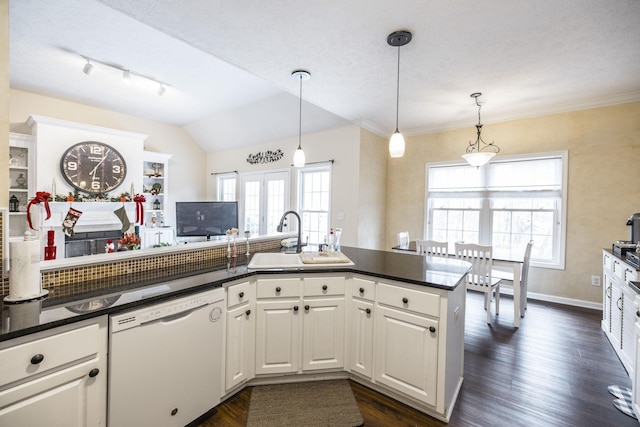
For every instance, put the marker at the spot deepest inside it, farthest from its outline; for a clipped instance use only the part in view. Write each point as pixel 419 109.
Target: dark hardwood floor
pixel 552 371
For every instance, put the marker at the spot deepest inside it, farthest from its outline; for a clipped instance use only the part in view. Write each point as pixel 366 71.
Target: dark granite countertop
pixel 97 298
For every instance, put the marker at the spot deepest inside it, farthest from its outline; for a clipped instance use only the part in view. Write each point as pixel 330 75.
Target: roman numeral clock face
pixel 93 167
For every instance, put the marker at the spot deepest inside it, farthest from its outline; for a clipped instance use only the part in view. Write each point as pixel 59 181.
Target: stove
pixel 621 247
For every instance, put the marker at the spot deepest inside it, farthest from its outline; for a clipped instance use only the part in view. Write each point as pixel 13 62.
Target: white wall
pixel 341 144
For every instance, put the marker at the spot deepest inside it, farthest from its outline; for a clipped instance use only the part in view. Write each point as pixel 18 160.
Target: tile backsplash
pixel 70 280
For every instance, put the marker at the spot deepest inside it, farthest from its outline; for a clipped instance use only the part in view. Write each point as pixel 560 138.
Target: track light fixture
pixel 127 74
pixel 88 67
pixel 299 157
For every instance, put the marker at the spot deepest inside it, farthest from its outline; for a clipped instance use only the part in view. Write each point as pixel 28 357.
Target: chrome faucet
pixel 299 244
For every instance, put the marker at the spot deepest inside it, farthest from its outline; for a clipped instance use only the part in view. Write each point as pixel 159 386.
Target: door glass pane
pixel 252 207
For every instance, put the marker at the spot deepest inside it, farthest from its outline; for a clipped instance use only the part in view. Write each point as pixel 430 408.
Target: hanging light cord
pixel 300 120
pixel 398 91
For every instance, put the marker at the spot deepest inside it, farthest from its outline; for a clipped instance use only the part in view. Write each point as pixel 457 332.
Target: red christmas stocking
pixel 70 221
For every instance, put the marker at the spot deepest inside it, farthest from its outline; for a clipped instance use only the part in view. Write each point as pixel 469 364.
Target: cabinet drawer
pixel 278 288
pixel 409 299
pixel 24 360
pixel 239 294
pixel 362 288
pixel 607 261
pixel 321 286
pixel 629 273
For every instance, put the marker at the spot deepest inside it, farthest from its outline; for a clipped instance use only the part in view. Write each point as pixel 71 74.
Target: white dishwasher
pixel 165 361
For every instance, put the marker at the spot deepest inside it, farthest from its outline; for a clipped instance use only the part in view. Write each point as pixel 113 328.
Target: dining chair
pixel 507 276
pixel 480 277
pixel 432 247
pixel 403 238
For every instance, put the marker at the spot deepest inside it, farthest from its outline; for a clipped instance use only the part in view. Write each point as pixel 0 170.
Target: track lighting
pixel 127 74
pixel 88 68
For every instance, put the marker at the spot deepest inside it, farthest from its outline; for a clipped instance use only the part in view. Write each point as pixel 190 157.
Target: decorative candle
pixel 53 189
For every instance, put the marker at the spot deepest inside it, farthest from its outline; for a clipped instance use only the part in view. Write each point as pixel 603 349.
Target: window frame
pixel 485 234
pixel 316 167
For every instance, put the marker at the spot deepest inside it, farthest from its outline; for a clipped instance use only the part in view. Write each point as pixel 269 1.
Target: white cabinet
pixel 155 182
pixel 406 351
pixel 635 378
pixel 241 331
pixel 21 183
pixel 300 324
pixel 362 294
pixel 618 313
pixel 156 237
pixel 323 323
pixel 57 376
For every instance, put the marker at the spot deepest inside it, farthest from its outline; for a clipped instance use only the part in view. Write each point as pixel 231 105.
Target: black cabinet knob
pixel 324 287
pixel 638 313
pixel 248 312
pixel 362 290
pixel 295 308
pixel 241 294
pixel 405 300
pixel 278 289
pixel 38 358
pixel 368 311
pixel 94 372
pixel 432 329
pixel 174 411
pixel 306 307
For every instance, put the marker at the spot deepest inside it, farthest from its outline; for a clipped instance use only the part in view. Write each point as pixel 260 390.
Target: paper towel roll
pixel 24 273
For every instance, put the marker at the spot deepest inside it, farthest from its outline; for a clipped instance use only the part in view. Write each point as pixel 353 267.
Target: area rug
pixel 310 404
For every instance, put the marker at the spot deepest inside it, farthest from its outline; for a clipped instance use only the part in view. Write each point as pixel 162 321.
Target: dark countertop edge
pixel 242 273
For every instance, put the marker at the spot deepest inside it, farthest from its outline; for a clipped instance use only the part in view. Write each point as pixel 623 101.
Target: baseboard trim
pixel 557 300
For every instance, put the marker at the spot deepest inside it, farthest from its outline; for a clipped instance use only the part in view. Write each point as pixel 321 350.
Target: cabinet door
pixel 277 336
pixel 69 398
pixel 636 375
pixel 323 337
pixel 616 315
pixel 240 357
pixel 406 353
pixel 628 335
pixel 607 303
pixel 361 338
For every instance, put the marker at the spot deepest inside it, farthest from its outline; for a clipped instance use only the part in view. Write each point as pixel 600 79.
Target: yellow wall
pixel 603 190
pixel 371 194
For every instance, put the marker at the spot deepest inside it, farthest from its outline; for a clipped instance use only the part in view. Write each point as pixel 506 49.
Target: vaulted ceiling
pixel 229 63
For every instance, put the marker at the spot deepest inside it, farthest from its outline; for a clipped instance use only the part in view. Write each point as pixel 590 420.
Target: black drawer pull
pixel 248 312
pixel 368 311
pixel 38 358
pixel 306 307
pixel 295 308
pixel 174 411
pixel 324 287
pixel 241 294
pixel 405 300
pixel 278 289
pixel 94 372
pixel 432 329
pixel 362 290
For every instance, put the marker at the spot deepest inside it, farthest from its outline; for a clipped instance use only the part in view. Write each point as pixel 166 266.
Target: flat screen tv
pixel 197 219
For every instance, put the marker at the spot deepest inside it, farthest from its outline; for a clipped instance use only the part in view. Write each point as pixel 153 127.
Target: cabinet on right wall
pixel 618 311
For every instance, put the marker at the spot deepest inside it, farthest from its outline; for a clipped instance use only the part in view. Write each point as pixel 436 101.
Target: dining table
pixel 515 265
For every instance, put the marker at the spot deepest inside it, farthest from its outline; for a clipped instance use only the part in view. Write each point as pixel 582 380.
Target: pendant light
pixel 298 156
pixel 476 156
pixel 396 143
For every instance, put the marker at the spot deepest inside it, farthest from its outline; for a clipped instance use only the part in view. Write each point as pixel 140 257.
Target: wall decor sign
pixel 265 157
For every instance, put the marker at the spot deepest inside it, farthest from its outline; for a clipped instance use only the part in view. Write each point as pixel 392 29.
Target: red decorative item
pixel 139 199
pixel 50 249
pixel 41 196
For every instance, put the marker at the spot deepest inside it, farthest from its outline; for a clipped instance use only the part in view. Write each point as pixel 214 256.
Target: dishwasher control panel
pixel 148 314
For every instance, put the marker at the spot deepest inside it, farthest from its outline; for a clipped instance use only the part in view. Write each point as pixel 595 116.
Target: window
pixel 507 203
pixel 314 195
pixel 226 187
pixel 264 198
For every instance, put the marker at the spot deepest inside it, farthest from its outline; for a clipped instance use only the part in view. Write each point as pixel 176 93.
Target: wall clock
pixel 93 167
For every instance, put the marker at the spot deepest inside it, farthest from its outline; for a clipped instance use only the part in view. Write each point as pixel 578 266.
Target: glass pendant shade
pixel 298 158
pixel 396 145
pixel 478 159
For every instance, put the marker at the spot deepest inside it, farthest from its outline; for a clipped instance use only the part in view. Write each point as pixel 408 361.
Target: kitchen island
pixel 397 319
